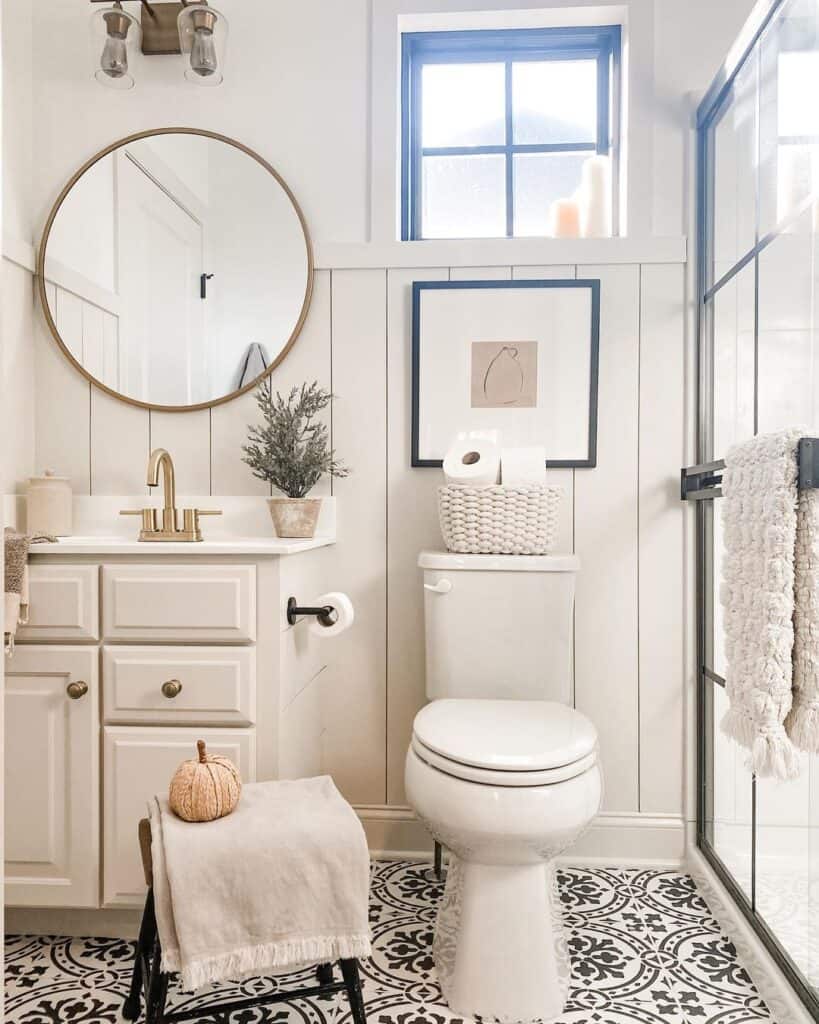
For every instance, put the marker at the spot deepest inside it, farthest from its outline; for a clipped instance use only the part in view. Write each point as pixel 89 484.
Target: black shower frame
pixel 701 483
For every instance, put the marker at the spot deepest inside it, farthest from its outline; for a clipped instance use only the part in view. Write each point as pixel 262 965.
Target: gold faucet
pixel 169 530
pixel 160 457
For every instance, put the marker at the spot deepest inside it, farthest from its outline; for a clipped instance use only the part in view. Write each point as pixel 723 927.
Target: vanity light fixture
pixel 114 32
pixel 191 28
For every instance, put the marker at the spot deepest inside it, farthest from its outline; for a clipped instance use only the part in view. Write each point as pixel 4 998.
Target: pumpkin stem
pixel 200 746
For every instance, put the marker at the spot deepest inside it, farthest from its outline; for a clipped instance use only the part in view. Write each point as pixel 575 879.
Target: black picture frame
pixel 593 286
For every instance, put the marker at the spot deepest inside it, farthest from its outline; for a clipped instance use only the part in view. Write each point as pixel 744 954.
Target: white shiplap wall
pixel 623 518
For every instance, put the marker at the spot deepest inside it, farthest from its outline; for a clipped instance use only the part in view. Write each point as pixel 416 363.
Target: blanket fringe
pixel 260 960
pixel 772 754
pixel 802 725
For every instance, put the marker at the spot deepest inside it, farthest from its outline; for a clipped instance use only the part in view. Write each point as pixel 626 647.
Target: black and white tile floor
pixel 645 950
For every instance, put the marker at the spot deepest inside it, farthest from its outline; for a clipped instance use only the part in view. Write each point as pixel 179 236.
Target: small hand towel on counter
pixel 770 572
pixel 281 882
pixel 15 607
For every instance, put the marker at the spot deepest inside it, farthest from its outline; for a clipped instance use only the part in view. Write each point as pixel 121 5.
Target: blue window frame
pixel 513 147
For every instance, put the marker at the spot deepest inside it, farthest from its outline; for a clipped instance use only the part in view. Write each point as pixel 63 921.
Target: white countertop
pixel 270 546
pixel 244 528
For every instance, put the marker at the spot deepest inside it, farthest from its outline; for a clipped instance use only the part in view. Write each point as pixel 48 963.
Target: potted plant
pixel 291 451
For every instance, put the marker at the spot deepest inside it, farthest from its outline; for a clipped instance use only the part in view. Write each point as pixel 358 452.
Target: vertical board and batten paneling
pixel 412 526
pixel 62 407
pixel 480 273
pixel 621 518
pixel 661 554
pixel 119 444
pixel 354 686
pixel 186 435
pixel 606 654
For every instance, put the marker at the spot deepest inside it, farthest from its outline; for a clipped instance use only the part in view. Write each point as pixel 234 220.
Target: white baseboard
pixel 622 838
pixel 394 833
pixel 782 1001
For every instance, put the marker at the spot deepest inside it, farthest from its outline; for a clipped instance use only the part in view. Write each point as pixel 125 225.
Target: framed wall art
pixel 519 357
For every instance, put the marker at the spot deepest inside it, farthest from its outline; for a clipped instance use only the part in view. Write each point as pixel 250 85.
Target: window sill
pixel 499 252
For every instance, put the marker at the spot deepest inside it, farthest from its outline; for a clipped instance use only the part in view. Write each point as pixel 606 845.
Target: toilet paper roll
pixel 345 615
pixel 472 461
pixel 523 466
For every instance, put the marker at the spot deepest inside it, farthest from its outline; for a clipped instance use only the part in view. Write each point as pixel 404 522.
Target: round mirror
pixel 175 269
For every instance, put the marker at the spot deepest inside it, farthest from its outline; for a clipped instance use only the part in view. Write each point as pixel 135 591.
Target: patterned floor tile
pixel 644 947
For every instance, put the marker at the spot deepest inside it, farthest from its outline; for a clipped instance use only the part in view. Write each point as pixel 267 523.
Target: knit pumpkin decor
pixel 205 788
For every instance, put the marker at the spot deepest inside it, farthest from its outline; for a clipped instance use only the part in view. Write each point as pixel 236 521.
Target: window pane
pixel 463 105
pixel 787 328
pixel 464 196
pixel 540 178
pixel 735 166
pixel 732 310
pixel 788 113
pixel 554 101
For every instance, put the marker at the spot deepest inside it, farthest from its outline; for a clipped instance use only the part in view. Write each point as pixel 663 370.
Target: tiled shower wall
pixel 624 518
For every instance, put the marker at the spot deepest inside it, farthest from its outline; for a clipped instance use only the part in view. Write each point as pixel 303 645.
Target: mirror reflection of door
pixel 160 258
pixel 176 268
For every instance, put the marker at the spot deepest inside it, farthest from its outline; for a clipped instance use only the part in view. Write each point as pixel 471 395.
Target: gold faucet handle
pixel 190 520
pixel 148 517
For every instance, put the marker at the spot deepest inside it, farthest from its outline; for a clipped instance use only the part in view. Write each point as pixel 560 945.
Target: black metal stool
pixel 149 984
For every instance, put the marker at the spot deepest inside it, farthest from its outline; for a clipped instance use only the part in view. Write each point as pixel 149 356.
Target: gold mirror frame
pixel 41 281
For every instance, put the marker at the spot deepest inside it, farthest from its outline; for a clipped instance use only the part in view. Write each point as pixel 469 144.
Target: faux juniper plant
pixel 291 448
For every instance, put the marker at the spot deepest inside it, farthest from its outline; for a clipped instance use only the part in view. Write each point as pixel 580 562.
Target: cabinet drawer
pixel 218 685
pixel 139 762
pixel 179 602
pixel 63 603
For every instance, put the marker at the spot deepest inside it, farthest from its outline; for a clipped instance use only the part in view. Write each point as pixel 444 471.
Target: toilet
pixel 504 772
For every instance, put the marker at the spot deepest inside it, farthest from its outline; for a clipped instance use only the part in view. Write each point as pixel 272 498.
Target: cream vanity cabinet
pixel 125 663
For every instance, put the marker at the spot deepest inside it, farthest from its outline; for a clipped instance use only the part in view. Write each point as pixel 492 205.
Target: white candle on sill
pixel 595 207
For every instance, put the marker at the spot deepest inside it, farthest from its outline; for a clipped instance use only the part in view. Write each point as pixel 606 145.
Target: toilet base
pixel 499 947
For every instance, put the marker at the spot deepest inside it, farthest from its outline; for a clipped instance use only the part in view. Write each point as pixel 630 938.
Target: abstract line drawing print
pixel 504 375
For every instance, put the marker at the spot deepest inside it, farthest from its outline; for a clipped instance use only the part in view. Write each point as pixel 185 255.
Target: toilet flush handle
pixel 441 587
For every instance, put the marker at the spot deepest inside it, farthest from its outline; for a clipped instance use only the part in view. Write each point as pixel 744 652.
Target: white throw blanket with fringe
pixel 281 882
pixel 770 572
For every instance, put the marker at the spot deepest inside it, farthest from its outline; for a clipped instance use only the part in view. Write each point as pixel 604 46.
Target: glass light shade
pixel 115 37
pixel 203 33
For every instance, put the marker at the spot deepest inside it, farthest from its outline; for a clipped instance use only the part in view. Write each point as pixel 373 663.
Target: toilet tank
pixel 498 626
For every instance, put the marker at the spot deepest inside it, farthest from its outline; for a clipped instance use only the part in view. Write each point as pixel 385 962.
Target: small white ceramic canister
pixel 48 500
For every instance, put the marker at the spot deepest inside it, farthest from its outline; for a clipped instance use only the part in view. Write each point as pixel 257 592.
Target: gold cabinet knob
pixel 77 690
pixel 171 689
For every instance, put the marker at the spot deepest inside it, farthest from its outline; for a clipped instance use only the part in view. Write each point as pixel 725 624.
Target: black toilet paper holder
pixel 326 614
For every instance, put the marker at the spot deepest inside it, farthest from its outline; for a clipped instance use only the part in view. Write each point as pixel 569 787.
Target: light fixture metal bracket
pixel 160 35
pixel 159 32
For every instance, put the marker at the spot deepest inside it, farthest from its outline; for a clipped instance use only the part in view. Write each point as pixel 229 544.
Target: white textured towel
pixel 770 572
pixel 802 723
pixel 281 882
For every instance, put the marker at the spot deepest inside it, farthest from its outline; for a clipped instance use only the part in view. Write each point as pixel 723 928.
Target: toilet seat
pixel 505 742
pixel 489 777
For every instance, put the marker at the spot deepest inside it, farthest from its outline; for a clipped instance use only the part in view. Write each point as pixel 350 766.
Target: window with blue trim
pixel 496 126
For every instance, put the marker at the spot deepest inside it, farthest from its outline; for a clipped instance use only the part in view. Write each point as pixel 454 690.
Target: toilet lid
pixel 505 735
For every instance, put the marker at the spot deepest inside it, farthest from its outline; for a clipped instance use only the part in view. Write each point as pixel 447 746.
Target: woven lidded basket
pixel 499 520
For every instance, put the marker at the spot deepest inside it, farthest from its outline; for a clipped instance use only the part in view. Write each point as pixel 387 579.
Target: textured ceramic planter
pixel 295 517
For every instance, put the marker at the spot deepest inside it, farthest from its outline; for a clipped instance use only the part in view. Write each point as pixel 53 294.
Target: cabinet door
pixel 52 778
pixel 138 763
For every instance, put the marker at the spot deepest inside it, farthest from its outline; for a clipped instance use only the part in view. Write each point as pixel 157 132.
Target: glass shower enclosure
pixel 758 284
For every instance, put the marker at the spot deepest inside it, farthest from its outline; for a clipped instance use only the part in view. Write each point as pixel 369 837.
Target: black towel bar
pixel 703 481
